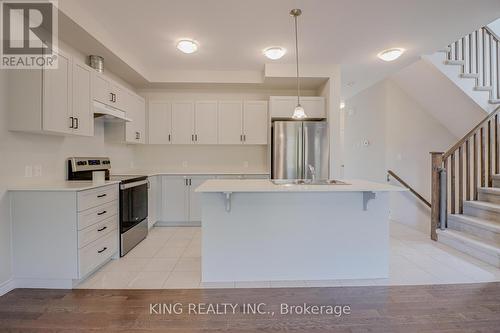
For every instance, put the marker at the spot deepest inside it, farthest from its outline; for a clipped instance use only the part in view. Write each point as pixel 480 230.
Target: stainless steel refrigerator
pixel 300 150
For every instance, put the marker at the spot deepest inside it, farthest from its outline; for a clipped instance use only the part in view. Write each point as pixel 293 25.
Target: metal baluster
pixel 498 70
pixel 463 51
pixel 456 50
pixel 484 57
pixel 470 53
pixel 491 62
pixel 477 56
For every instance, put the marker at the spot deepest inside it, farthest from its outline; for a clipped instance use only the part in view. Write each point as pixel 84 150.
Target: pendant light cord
pixel 297 58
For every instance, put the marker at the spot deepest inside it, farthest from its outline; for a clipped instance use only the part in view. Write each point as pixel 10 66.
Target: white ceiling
pixel 232 33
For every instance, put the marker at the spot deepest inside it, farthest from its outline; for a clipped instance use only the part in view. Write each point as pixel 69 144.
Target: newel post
pixel 436 165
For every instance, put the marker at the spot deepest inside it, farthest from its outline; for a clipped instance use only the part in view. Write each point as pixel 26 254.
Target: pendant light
pixel 299 112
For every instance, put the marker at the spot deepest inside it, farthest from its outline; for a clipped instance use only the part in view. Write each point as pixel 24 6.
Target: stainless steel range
pixel 133 198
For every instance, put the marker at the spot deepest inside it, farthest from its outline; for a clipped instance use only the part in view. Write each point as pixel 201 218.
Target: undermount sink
pixel 308 182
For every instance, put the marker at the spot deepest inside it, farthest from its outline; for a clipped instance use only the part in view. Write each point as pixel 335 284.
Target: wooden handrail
pixel 469 135
pixel 405 184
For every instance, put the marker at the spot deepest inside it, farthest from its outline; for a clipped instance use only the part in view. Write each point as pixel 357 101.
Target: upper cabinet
pixel 243 122
pixel 159 122
pixel 183 122
pixel 255 122
pixel 283 106
pixel 82 99
pixel 55 101
pixel 230 122
pixel 135 130
pixel 205 122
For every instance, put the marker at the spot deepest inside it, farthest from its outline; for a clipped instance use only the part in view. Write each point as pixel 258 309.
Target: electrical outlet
pixel 37 170
pixel 245 164
pixel 28 171
pixel 184 164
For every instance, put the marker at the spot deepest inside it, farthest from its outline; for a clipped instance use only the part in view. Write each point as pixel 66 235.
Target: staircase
pixel 466 193
pixel 465 204
pixel 477 58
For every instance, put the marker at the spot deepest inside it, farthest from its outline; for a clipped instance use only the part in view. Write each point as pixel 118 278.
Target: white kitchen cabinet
pixel 174 199
pixel 283 106
pixel 109 92
pixel 255 122
pixel 154 195
pixel 82 100
pixel 135 130
pixel 101 89
pixel 61 237
pixel 183 122
pixel 55 101
pixel 230 122
pixel 195 198
pixel 57 97
pixel 159 122
pixel 205 122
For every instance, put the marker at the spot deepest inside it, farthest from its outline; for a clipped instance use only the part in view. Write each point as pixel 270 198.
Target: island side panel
pixel 294 236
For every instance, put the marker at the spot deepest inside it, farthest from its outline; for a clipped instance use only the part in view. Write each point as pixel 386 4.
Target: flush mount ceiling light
pixel 299 112
pixel 391 54
pixel 187 46
pixel 274 52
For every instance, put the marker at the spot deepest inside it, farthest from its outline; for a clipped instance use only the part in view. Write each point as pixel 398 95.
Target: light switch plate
pixel 37 170
pixel 28 171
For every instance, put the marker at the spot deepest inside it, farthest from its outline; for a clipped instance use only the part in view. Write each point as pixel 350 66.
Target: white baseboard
pixel 7 286
pixel 44 283
pixel 178 224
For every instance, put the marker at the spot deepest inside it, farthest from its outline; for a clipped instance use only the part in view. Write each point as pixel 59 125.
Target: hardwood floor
pixel 431 308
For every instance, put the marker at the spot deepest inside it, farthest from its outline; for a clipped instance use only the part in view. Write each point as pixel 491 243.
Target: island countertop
pixel 265 185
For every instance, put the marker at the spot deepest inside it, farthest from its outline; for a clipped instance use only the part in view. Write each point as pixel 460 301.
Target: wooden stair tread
pixel 489 190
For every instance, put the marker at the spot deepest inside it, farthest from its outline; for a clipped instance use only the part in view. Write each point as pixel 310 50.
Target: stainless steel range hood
pixel 109 113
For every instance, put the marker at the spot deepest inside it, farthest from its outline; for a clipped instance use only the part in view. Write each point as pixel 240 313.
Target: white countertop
pixel 72 185
pixel 151 173
pixel 264 185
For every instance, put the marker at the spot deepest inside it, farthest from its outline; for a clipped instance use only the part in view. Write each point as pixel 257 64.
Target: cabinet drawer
pixel 98 230
pixel 96 197
pixel 97 214
pixel 96 253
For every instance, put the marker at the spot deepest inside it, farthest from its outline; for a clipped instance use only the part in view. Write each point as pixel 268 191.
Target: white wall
pixel 401 135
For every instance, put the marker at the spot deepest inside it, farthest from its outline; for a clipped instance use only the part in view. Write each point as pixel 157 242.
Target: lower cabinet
pixel 154 194
pixel 60 237
pixel 180 204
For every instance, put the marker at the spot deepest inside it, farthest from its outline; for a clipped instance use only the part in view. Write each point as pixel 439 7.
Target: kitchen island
pixel 255 230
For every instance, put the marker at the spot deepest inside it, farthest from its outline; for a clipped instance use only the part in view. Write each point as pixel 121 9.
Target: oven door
pixel 133 204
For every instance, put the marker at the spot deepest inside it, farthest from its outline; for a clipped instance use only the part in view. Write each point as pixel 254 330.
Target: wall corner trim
pixel 7 286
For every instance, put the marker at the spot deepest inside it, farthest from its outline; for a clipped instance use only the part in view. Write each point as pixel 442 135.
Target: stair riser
pixel 481 213
pixel 472 251
pixel 496 182
pixel 482 233
pixel 489 197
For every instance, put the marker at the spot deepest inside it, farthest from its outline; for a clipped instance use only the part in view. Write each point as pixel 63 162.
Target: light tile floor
pixel 170 258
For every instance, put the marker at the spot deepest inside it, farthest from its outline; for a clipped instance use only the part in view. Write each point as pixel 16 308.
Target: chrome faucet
pixel 312 169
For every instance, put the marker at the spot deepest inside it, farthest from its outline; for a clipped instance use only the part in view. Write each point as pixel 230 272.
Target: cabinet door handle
pixel 72 120
pixel 241 137
pixel 245 137
pixel 111 95
pixel 77 123
pixel 102 229
pixel 189 181
pixel 186 182
pixel 101 195
pixel 101 213
pixel 101 251
pixel 169 138
pixel 192 137
pixel 196 137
